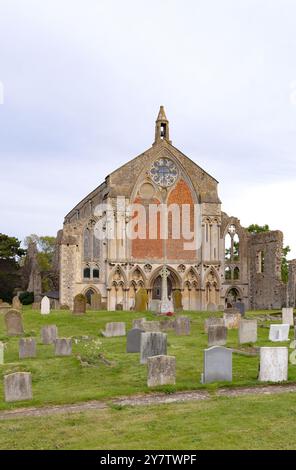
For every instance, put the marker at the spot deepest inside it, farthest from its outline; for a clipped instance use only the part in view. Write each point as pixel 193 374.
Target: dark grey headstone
pixel 27 348
pixel 217 365
pixel 217 335
pixel 241 307
pixel 153 344
pixel 133 340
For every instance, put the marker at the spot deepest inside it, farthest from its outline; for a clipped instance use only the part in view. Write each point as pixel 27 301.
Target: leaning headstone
pixel 1 353
pixel 27 348
pixel 138 322
pixel 288 316
pixel 79 304
pixel 273 364
pixel 49 334
pixel 114 329
pixel 279 332
pixel 16 303
pixel 247 331
pixel 241 307
pixel 177 300
pixel 217 365
pixel 231 320
pixel 96 301
pixel 152 344
pixel 213 321
pixel 133 340
pixel 63 347
pixel 161 370
pixel 14 323
pixel 18 386
pixel 182 326
pixel 151 326
pixel 45 306
pixel 141 300
pixel 217 335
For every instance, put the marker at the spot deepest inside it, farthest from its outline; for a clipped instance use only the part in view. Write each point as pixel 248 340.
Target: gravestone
pixel 177 300
pixel 1 353
pixel 14 323
pixel 247 331
pixel 231 320
pixel 79 304
pixel 119 307
pixel 152 344
pixel 154 306
pixel 27 348
pixel 36 305
pixel 133 340
pixel 104 306
pixel 151 326
pixel 96 301
pixel 279 332
pixel 63 347
pixel 240 306
pixel 114 329
pixel 161 370
pixel 64 307
pixel 288 316
pixel 138 323
pixel 16 303
pixel 18 386
pixel 49 334
pixel 212 307
pixel 217 335
pixel 217 365
pixel 213 321
pixel 273 364
pixel 182 326
pixel 45 306
pixel 167 324
pixel 141 300
pixel 5 307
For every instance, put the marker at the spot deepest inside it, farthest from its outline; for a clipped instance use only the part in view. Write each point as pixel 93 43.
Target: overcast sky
pixel 83 81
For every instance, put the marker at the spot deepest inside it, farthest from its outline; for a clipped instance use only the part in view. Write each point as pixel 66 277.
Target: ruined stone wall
pixel 292 283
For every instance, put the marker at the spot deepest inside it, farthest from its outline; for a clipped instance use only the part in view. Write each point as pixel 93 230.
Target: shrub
pixel 26 298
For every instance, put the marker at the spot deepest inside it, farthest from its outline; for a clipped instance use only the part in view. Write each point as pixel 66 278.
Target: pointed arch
pixel 117 269
pixel 142 274
pixel 176 278
pixel 213 271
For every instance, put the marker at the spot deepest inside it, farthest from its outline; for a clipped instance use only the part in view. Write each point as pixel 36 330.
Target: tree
pixel 285 265
pixel 10 247
pixel 255 228
pixel 10 253
pixel 46 247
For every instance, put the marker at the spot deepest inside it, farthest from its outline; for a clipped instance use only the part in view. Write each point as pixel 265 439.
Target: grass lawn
pixel 65 380
pixel 250 422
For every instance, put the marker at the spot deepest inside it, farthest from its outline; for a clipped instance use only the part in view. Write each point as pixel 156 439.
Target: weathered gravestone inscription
pixel 18 386
pixel 63 347
pixel 288 316
pixel 217 335
pixel 182 326
pixel 217 365
pixel 153 344
pixel 133 340
pixel 49 334
pixel 27 348
pixel 279 332
pixel 247 332
pixel 273 364
pixel 79 304
pixel 45 305
pixel 161 370
pixel 14 323
pixel 232 320
pixel 114 329
pixel 213 321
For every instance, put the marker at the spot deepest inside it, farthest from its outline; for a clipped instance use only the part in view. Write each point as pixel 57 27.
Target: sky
pixel 81 82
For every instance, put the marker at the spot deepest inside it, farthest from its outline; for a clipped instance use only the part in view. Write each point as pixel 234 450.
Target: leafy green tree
pixel 10 247
pixel 255 228
pixel 10 254
pixel 45 246
pixel 285 265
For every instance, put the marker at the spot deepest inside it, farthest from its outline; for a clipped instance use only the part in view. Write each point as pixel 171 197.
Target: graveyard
pixel 92 367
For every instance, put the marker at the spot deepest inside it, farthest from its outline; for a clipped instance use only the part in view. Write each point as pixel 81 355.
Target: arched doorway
pixel 89 293
pixel 233 295
pixel 157 288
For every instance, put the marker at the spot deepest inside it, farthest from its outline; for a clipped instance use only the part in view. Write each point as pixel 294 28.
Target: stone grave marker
pixel 1 353
pixel 96 301
pixel 273 364
pixel 151 326
pixel 114 329
pixel 288 316
pixel 177 300
pixel 138 323
pixel 18 386
pixel 36 305
pixel 182 326
pixel 141 300
pixel 27 348
pixel 167 324
pixel 64 307
pixel 213 321
pixel 79 304
pixel 232 320
pixel 279 332
pixel 49 334
pixel 152 344
pixel 212 307
pixel 240 306
pixel 217 335
pixel 154 306
pixel 14 323
pixel 247 331
pixel 16 303
pixel 161 370
pixel 217 365
pixel 45 306
pixel 63 347
pixel 133 340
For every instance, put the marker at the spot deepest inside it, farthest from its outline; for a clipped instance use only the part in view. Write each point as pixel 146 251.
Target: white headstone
pixel 1 353
pixel 287 316
pixel 279 332
pixel 273 364
pixel 45 306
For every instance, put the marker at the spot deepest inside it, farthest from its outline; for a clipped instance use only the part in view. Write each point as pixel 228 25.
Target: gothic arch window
pixel 86 273
pixel 87 244
pixel 260 261
pixel 227 247
pixel 91 245
pixel 236 273
pixel 96 272
pixel 227 273
pixel 232 244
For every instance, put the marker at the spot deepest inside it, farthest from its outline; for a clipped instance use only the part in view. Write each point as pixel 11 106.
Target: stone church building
pixel 229 263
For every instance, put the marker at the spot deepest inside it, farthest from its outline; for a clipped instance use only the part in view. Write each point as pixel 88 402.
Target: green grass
pixel 64 380
pixel 250 422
